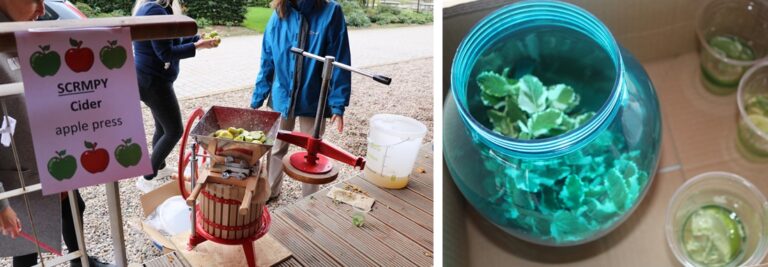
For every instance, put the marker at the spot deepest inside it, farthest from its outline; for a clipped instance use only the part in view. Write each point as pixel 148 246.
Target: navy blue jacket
pixel 151 56
pixel 327 37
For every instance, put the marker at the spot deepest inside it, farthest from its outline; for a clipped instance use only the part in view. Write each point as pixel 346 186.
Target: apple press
pixel 229 175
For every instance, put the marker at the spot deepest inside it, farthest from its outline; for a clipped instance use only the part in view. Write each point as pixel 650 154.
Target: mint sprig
pixel 526 108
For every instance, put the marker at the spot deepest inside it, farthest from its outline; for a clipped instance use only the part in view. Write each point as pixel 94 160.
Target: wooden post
pixel 116 223
pixel 75 208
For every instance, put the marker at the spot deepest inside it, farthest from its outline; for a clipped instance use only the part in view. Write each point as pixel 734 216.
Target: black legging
pixel 157 93
pixel 67 231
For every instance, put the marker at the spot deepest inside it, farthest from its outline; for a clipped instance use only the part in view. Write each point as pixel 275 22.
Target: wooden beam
pixel 142 28
pixel 20 191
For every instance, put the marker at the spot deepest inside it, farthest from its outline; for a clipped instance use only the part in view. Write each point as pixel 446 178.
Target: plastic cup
pixel 728 191
pixel 753 126
pixel 733 36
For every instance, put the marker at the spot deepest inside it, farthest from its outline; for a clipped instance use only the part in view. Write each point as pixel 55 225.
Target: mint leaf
pixel 583 119
pixel 617 190
pixel 573 192
pixel 757 105
pixel 501 123
pixel 541 123
pixel 562 97
pixel 513 111
pixel 602 212
pixel 532 97
pixel 567 226
pixel 491 101
pixel 505 73
pixel 493 84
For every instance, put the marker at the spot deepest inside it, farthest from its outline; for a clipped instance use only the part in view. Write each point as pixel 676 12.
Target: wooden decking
pixel 397 232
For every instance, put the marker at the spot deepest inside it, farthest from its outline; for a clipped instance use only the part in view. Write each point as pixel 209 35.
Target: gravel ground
pixel 410 95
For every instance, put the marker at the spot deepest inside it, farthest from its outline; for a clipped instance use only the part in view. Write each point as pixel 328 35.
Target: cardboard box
pixel 149 202
pixel 268 250
pixel 699 135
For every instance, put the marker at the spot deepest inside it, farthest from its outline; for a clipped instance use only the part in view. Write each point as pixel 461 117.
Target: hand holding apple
pixel 213 35
pixel 205 43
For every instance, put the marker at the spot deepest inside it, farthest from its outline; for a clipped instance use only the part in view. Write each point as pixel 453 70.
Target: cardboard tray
pixel 699 135
pixel 268 250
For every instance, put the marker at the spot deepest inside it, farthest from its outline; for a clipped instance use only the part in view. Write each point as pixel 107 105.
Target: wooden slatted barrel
pixel 219 204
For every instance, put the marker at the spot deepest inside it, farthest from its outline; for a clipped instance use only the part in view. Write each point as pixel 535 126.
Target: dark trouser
pixel 157 93
pixel 67 231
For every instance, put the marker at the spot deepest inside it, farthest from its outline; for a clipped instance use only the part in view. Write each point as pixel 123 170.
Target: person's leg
pixel 25 261
pixel 165 107
pixel 158 130
pixel 307 125
pixel 156 136
pixel 276 162
pixel 68 223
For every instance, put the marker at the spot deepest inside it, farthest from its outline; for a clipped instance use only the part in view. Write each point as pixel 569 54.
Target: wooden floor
pixel 397 232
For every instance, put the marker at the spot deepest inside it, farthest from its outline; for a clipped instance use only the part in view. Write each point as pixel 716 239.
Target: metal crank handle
pixel 376 77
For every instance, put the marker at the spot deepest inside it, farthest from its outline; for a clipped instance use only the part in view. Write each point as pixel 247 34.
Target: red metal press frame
pixel 315 159
pixel 200 235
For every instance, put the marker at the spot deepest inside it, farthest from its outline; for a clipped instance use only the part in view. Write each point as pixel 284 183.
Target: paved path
pixel 235 63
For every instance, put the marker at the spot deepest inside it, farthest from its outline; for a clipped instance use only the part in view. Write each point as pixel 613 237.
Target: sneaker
pixel 93 262
pixel 273 199
pixel 145 185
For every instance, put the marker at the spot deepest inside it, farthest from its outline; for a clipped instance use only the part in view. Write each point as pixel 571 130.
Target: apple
pixel 128 154
pixel 45 62
pixel 62 166
pixel 213 35
pixel 94 160
pixel 78 58
pixel 113 56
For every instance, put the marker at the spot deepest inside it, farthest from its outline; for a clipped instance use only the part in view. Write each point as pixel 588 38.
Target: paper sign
pixel 83 105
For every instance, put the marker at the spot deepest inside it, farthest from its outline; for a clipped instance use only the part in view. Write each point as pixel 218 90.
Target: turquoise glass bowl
pixel 574 187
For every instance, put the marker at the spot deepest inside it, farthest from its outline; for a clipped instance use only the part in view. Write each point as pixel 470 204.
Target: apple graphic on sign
pixel 45 62
pixel 62 166
pixel 113 56
pixel 78 58
pixel 128 154
pixel 94 160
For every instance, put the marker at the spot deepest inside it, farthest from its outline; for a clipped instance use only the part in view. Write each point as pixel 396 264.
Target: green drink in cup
pixel 733 36
pixel 752 98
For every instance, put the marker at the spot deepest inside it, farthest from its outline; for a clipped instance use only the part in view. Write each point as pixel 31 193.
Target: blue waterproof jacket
pixel 151 56
pixel 327 37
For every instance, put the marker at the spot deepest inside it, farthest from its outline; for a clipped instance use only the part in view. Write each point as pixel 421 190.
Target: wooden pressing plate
pixel 309 178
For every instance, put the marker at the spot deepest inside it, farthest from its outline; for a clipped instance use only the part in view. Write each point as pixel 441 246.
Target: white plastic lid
pixel 398 125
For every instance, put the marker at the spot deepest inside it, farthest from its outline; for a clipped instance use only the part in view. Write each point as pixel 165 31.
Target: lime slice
pixel 761 122
pixel 732 47
pixel 713 236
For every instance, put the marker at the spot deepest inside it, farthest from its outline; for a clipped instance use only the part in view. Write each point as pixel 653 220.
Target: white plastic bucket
pixel 393 144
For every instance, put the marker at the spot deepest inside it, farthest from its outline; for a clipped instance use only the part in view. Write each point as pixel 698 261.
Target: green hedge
pixel 354 14
pixel 362 17
pixel 90 12
pixel 108 6
pixel 219 12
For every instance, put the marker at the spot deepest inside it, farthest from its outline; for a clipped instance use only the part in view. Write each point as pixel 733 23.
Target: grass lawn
pixel 256 18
